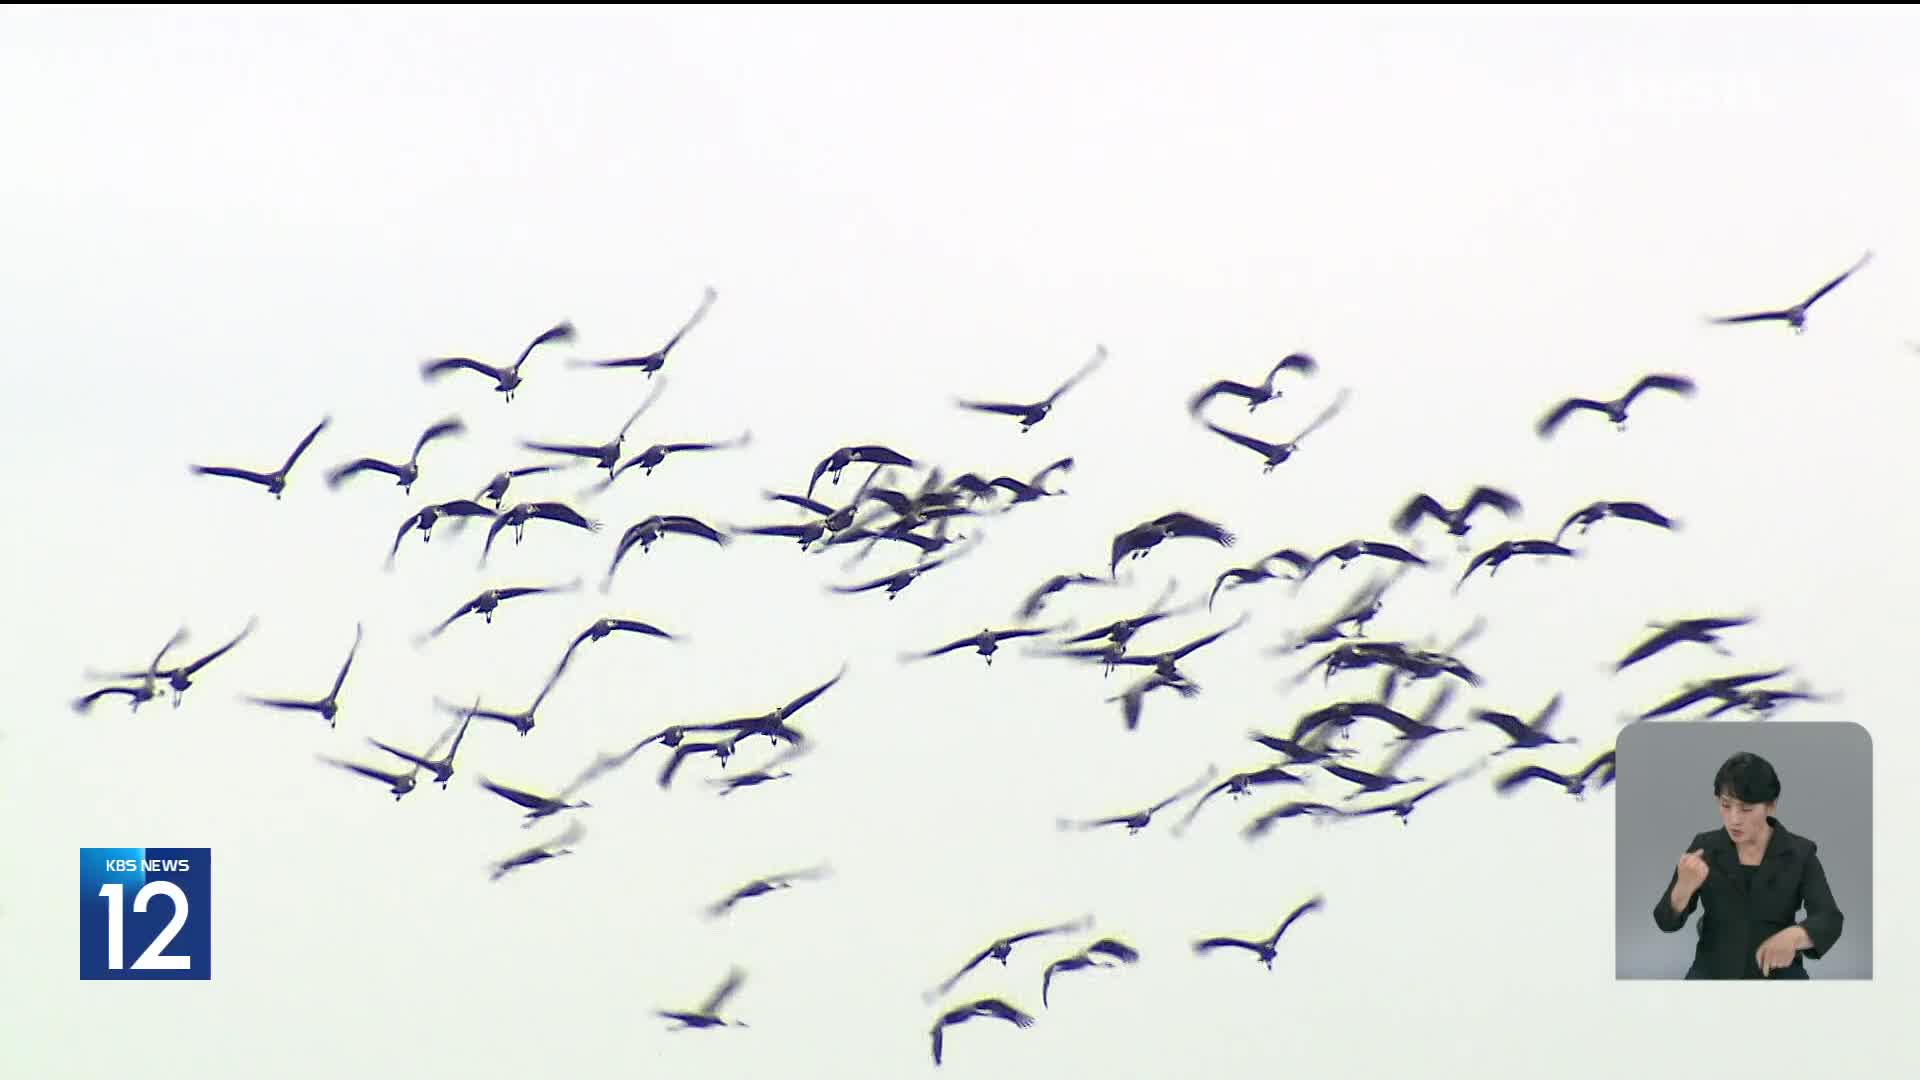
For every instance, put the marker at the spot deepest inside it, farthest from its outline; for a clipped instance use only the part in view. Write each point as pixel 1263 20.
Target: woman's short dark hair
pixel 1748 778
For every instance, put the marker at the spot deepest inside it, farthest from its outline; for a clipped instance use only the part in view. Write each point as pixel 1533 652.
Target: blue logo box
pixel 145 913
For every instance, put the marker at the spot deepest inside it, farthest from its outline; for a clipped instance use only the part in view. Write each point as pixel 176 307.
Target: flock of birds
pixel 904 501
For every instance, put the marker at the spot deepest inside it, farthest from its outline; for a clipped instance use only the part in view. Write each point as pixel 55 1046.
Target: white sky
pixel 219 228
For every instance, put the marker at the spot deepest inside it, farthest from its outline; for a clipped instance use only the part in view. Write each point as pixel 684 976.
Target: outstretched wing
pixel 227 470
pixel 452 425
pixel 304 443
pixel 1831 285
pixel 1005 408
pixel 1421 505
pixel 1223 386
pixel 711 1006
pixel 1248 441
pixel 1086 369
pixel 1507 782
pixel 1679 384
pixel 1563 410
pixel 360 465
pixel 433 369
pixel 1756 316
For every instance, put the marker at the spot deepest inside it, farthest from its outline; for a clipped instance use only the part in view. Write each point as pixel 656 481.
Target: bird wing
pixel 1497 551
pixel 1212 943
pixel 1829 286
pixel 1119 950
pixel 1649 647
pixel 731 983
pixel 561 512
pixel 1512 726
pixel 339 476
pixel 1326 414
pixel 1679 384
pixel 1223 386
pixel 464 508
pixel 997 1008
pixel 304 443
pixel 1756 316
pixel 1507 782
pixel 1258 446
pixel 528 799
pixel 1421 505
pixel 219 652
pixel 561 331
pixel 359 631
pixel 403 754
pixel 365 770
pixel 1184 524
pixel 1185 791
pixel 803 502
pixel 452 425
pixel 1314 904
pixel 1086 369
pixel 238 474
pixel 1490 496
pixel 1065 464
pixel 1005 408
pixel 1563 410
pixel 786 711
pixel 1301 362
pixel 433 369
pixel 284 703
pixel 707 298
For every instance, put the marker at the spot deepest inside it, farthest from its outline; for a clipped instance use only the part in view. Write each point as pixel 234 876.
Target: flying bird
pixel 605 455
pixel 1523 734
pixel 1591 515
pixel 506 380
pixel 397 783
pixel 657 359
pixel 496 489
pixel 986 642
pixel 1701 630
pixel 1132 698
pixel 1238 786
pixel 1254 396
pixel 440 767
pixel 1795 316
pixel 329 706
pixel 833 464
pixel 646 532
pixel 708 1014
pixel 763 886
pixel 1032 413
pixel 275 481
pixel 559 845
pixel 1358 549
pixel 141 692
pixel 1498 554
pixel 1276 454
pixel 1090 957
pixel 1403 808
pixel 178 679
pixel 405 474
pixel 1615 410
pixel 537 805
pixel 521 721
pixel 899 580
pixel 651 458
pixel 1031 606
pixel 427 517
pixel 489 600
pixel 1266 948
pixel 1140 819
pixel 1575 785
pixel 1722 688
pixel 1456 519
pixel 992 1007
pixel 1261 571
pixel 1144 537
pixel 602 628
pixel 1002 949
pixel 518 516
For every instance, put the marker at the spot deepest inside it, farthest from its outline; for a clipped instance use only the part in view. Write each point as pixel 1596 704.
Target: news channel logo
pixel 145 913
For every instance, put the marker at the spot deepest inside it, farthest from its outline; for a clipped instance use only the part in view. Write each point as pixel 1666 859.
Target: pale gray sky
pixel 221 227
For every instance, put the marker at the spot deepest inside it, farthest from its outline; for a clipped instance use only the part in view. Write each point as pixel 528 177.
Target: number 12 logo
pixel 148 906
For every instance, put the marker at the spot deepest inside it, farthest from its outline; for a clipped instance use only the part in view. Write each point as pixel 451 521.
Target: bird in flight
pixel 178 679
pixel 1266 948
pixel 1498 554
pixel 763 886
pixel 506 380
pixel 141 692
pixel 1002 949
pixel 1089 957
pixel 605 455
pixel 489 601
pixel 708 1014
pixel 440 767
pixel 1576 785
pixel 1705 631
pixel 657 359
pixel 1795 316
pixel 833 464
pixel 1589 516
pixel 1615 410
pixel 327 707
pixel 1254 396
pixel 275 481
pixel 1455 519
pixel 1144 537
pixel 992 1007
pixel 559 845
pixel 1523 734
pixel 1032 413
pixel 407 473
pixel 1276 454
pixel 1140 819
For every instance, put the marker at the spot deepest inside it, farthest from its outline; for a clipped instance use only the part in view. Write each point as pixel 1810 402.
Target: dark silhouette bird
pixel 1276 454
pixel 1359 549
pixel 721 749
pixel 765 774
pixel 1403 808
pixel 518 516
pixel 1022 491
pixel 1002 949
pixel 1522 734
pixel 440 766
pixel 327 707
pixel 521 721
pixel 489 600
pixel 1350 619
pixel 654 361
pixel 398 784
pixel 1035 601
pixel 763 886
pixel 178 679
pixel 986 642
pixel 1576 785
pixel 1701 630
pixel 1090 957
pixel 1121 631
pixel 651 458
pixel 1615 410
pixel 426 517
pixel 1722 688
pixel 1795 316
pixel 559 845
pixel 833 464
pixel 1267 948
pixel 900 579
pixel 646 532
pixel 141 692
pixel 828 521
pixel 407 473
pixel 1132 698
pixel 496 488
pixel 1494 557
pixel 1342 715
pixel 1144 537
pixel 992 1007
pixel 1254 396
pixel 506 380
pixel 1589 516
pixel 1166 664
pixel 604 455
pixel 708 1014
pixel 1032 413
pixel 1238 786
pixel 773 723
pixel 537 805
pixel 1261 571
pixel 1763 700
pixel 1140 819
pixel 1366 782
pixel 602 628
pixel 1456 519
pixel 1321 811
pixel 1298 752
pixel 276 481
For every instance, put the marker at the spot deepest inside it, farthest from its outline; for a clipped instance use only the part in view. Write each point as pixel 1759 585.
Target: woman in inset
pixel 1752 876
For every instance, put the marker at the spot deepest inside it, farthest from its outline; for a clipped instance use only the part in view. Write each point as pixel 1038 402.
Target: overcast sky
pixel 220 228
